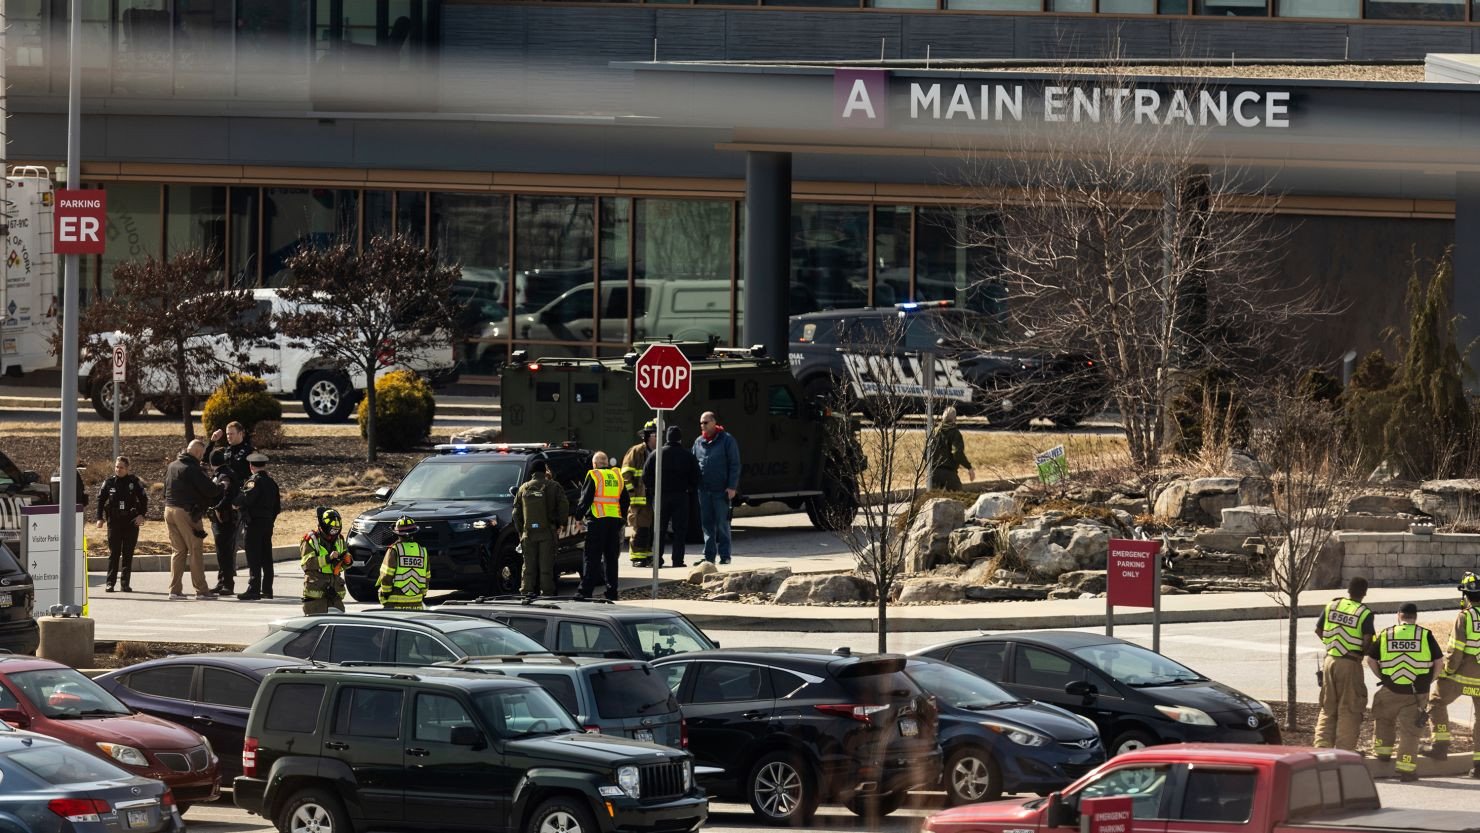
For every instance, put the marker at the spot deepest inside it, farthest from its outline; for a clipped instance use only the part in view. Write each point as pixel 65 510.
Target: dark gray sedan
pixel 47 786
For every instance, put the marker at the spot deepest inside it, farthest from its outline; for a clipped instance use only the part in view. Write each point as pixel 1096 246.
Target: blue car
pixel 51 787
pixel 994 742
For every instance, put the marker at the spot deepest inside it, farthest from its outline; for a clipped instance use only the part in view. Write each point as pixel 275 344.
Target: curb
pixel 155 563
pixel 1450 766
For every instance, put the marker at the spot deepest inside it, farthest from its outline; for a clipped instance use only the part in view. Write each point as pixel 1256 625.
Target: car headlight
pixel 1187 714
pixel 469 526
pixel 124 754
pixel 362 526
pixel 629 782
pixel 688 775
pixel 1087 722
pixel 211 750
pixel 1021 737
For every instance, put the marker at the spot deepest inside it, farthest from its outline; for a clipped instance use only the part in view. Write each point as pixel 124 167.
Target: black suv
pixel 341 749
pixel 391 637
pixel 591 627
pixel 788 728
pixel 1008 386
pixel 462 499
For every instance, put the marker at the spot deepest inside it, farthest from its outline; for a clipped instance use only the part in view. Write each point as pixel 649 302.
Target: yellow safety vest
pixel 1403 654
pixel 1343 631
pixel 408 572
pixel 1466 636
pixel 608 500
pixel 320 564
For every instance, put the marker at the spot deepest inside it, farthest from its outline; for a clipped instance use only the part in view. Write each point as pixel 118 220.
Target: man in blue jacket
pixel 719 479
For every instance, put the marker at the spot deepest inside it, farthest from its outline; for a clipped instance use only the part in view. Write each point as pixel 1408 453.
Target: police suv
pixel 462 499
pixel 893 349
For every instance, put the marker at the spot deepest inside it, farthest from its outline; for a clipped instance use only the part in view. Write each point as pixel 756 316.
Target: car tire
pixel 971 776
pixel 1131 740
pixel 562 815
pixel 313 810
pixel 837 506
pixel 327 396
pixel 874 807
pixel 507 569
pixel 782 790
pixel 130 406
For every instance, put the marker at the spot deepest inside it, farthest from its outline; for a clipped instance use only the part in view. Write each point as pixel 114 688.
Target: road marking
pixel 1235 643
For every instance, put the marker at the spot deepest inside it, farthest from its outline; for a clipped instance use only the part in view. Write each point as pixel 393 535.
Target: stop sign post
pixel 664 378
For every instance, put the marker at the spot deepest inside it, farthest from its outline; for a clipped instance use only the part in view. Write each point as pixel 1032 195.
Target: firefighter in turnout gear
pixel 404 574
pixel 639 513
pixel 1461 673
pixel 1405 658
pixel 323 555
pixel 1346 628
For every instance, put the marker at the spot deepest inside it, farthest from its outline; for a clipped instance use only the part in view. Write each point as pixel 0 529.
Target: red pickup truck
pixel 1216 788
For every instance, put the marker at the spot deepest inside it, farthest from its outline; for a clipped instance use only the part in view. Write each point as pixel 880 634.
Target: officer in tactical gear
pixel 257 507
pixel 404 572
pixel 639 513
pixel 540 510
pixel 323 555
pixel 224 526
pixel 946 454
pixel 1346 628
pixel 1460 675
pixel 1405 658
pixel 603 503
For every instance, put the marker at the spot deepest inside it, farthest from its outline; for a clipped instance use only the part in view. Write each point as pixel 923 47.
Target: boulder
pixel 1448 500
pixel 1009 577
pixel 762 580
pixel 1248 520
pixel 484 434
pixel 1379 504
pixel 1169 501
pixel 972 542
pixel 1386 472
pixel 1128 503
pixel 930 590
pixel 824 589
pixel 998 593
pixel 1047 551
pixel 1255 491
pixel 722 597
pixel 1063 593
pixel 700 570
pixel 1241 464
pixel 928 542
pixel 1327 571
pixel 1169 590
pixel 1214 486
pixel 1085 581
pixel 992 505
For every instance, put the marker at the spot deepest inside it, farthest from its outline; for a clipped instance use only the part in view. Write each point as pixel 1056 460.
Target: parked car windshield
pixel 667 636
pixel 58 764
pixel 958 688
pixel 1136 666
pixel 61 693
pixel 524 712
pixel 631 691
pixel 477 478
pixel 493 641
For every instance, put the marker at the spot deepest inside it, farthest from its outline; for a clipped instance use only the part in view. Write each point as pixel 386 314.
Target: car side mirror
pixel 1081 688
pixel 1060 812
pixel 15 717
pixel 716 642
pixel 29 477
pixel 467 736
pixel 383 493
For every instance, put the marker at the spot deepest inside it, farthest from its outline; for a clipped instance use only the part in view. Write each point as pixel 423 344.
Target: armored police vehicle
pixel 891 348
pixel 462 499
pixel 792 449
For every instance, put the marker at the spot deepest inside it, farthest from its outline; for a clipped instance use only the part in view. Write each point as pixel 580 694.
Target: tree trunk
pixel 883 588
pixel 182 382
pixel 1291 661
pixel 370 411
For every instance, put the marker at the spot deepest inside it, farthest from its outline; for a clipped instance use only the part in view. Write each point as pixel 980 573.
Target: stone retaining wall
pixel 1394 559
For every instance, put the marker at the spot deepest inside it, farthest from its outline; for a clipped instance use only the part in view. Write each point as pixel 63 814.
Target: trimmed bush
pixel 241 399
pixel 404 408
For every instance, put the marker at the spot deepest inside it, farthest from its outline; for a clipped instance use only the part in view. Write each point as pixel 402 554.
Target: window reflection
pixel 891 254
pixel 829 266
pixel 297 217
pixel 195 218
pixel 472 230
pixel 682 266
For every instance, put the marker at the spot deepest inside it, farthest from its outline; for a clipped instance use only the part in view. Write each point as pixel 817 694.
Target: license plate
pixel 138 818
pixel 6 600
pixel 644 735
pixel 909 727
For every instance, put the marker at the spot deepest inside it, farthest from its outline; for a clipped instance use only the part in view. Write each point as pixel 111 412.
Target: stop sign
pixel 664 377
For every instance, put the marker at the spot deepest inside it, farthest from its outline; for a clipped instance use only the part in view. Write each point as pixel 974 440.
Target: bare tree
pixel 1299 446
pixel 884 463
pixel 184 332
pixel 369 309
pixel 1131 243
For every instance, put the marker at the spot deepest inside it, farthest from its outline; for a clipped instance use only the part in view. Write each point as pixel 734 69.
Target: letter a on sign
pixel 79 221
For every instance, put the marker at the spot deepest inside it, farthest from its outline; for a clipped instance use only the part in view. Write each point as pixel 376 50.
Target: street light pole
pixel 68 497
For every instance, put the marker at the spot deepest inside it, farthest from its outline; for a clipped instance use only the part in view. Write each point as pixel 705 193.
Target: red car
pixel 52 699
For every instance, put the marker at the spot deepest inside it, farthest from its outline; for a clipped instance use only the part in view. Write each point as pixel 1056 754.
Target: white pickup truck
pixel 328 393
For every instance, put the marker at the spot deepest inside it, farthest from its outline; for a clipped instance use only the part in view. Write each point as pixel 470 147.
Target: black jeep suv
pixel 462 499
pixel 367 748
pixel 590 627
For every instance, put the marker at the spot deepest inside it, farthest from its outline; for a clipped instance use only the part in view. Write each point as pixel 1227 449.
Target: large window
pixel 297 217
pixel 1232 8
pixel 952 255
pixel 1346 9
pixel 1415 10
pixel 829 256
pixel 271 47
pixel 202 37
pixel 682 264
pixel 472 230
pixel 195 218
pixel 133 227
pixel 891 254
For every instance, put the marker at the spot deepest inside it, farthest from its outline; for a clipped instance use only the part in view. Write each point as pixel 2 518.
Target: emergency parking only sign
pixel 78 221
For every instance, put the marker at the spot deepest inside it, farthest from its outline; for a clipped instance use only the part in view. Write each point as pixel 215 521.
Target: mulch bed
pixel 124 654
pixel 1305 725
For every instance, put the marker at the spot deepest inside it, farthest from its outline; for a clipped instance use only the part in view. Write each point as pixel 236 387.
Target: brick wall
pixel 1392 559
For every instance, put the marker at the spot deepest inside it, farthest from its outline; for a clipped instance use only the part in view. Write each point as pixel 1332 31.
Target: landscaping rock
pixel 1009 577
pixel 1448 500
pixel 1255 491
pixel 1241 464
pixel 476 435
pixel 928 541
pixel 1382 504
pixel 931 590
pixel 1063 593
pixel 992 505
pixel 1247 520
pixel 763 580
pixel 1128 503
pixel 824 589
pixel 1169 590
pixel 722 597
pixel 1085 581
pixel 1327 572
pixel 1047 551
pixel 1169 501
pixel 972 542
pixel 997 593
pixel 700 570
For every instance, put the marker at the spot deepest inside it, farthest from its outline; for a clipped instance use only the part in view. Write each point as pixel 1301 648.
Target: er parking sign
pixel 78 222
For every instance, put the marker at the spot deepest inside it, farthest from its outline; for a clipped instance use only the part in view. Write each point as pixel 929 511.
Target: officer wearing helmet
pixel 1461 673
pixel 639 513
pixel 404 573
pixel 323 555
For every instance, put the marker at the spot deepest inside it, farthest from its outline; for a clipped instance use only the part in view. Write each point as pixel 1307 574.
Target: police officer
pixel 1405 658
pixel 602 505
pixel 257 508
pixel 122 504
pixel 947 453
pixel 540 509
pixel 404 573
pixel 1346 628
pixel 224 527
pixel 639 513
pixel 1461 672
pixel 322 556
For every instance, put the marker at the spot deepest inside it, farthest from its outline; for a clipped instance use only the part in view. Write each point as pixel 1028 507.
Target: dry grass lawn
pixel 1004 455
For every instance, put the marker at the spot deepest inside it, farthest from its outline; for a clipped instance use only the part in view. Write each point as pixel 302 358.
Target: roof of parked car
pixel 1237 753
pixel 235 659
pixel 1067 640
pixel 435 621
pixel 809 655
pixel 572 606
pixel 459 676
pixel 16 663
